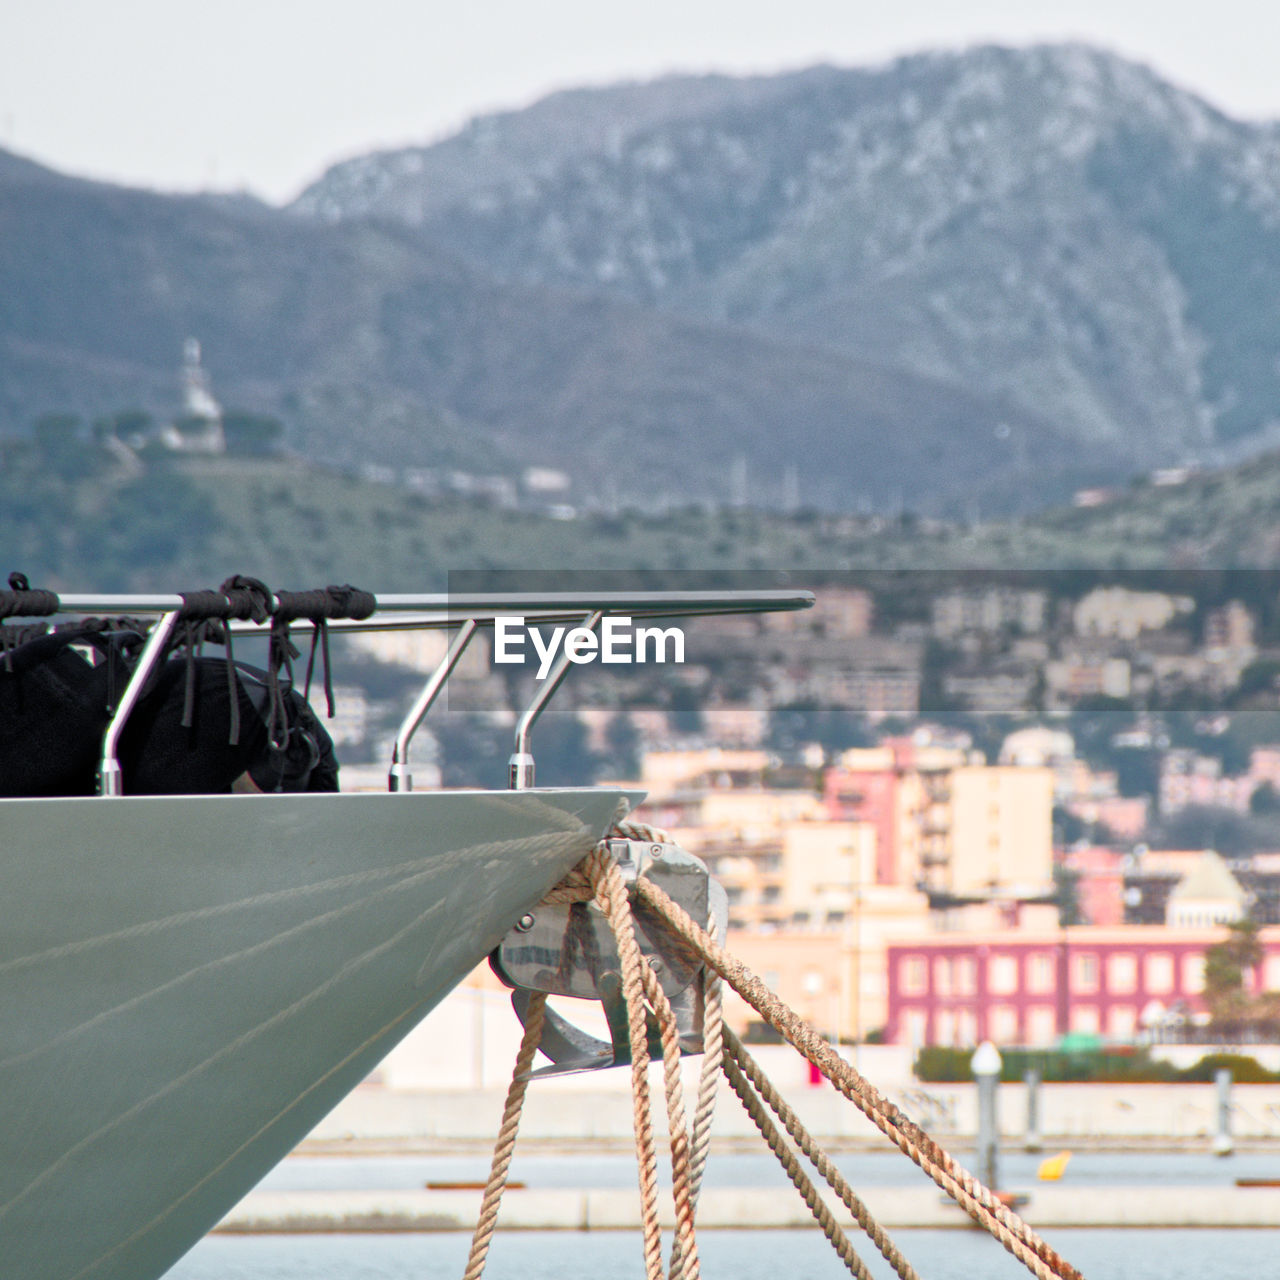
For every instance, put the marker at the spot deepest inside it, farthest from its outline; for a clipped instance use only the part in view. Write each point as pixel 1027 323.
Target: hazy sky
pixel 263 94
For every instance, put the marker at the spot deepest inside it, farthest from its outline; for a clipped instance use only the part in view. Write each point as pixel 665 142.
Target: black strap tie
pixel 203 615
pixel 319 607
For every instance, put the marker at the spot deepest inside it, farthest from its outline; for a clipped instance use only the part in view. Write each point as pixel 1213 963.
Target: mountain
pixel 376 345
pixel 1056 227
pixel 958 285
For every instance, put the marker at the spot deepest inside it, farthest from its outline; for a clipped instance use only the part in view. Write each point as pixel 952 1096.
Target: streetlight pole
pixel 985 1065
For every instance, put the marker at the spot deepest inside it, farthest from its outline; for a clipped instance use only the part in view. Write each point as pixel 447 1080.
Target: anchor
pixel 568 949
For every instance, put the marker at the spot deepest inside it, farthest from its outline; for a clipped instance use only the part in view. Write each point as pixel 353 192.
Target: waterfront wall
pixel 575 1110
pixel 446 1083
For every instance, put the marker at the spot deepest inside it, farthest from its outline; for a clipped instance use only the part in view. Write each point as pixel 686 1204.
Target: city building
pixel 1121 817
pixel 1097 878
pixel 1000 838
pixel 1208 894
pixel 990 611
pixel 891 788
pixel 1122 614
pixel 947 824
pixel 835 977
pixel 664 773
pixel 1188 778
pixel 1086 670
pixel 1006 689
pixel 1016 987
pixel 837 613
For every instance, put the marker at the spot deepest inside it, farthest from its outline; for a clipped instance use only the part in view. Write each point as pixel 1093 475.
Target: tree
pixel 1225 965
pixel 1066 893
pixel 1258 677
pixel 1067 829
pixel 132 426
pixel 1265 800
pixel 252 435
pixel 1232 834
pixel 60 441
pixel 622 739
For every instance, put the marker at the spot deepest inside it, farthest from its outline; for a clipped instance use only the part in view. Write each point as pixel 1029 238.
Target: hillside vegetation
pixel 181 523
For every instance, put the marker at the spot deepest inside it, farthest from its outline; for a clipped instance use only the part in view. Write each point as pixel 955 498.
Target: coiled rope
pixel 22 600
pixel 599 878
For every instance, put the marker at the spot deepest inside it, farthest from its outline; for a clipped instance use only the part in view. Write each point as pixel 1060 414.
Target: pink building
pixel 1099 874
pixel 873 796
pixel 1264 765
pixel 1187 778
pixel 1029 989
pixel 1124 816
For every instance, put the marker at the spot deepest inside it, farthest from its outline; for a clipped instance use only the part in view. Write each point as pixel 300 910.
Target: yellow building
pixel 1001 832
pixel 663 773
pixel 804 907
pixel 741 835
pixel 824 865
pixel 947 822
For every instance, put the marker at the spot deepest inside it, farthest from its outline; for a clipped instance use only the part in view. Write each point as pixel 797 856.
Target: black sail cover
pixel 54 711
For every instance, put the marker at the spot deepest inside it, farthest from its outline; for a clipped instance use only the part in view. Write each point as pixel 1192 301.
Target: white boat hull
pixel 188 984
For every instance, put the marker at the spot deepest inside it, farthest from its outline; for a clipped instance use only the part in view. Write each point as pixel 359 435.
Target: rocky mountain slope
pixel 1055 227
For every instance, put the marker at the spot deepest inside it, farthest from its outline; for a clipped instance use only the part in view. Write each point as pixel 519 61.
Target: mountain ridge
pixel 437 363
pixel 961 284
pixel 1019 222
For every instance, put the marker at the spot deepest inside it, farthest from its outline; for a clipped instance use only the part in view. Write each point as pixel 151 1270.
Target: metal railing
pixel 467 612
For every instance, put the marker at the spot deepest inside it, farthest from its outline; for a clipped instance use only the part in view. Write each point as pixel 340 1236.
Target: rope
pixel 685 1263
pixel 712 1055
pixel 642 831
pixel 599 877
pixel 976 1200
pixel 24 601
pixel 318 606
pixel 750 1069
pixel 611 896
pixel 708 1088
pixel 505 1146
pixel 575 887
pixel 203 614
pixel 326 602
pixel 248 599
pixel 684 1250
pixel 799 1179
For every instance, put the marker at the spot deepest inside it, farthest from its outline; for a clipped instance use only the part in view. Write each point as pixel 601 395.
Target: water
pixel 863 1169
pixel 734 1255
pixel 960 1254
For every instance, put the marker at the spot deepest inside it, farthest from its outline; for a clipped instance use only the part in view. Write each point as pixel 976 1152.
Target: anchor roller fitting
pixel 568 949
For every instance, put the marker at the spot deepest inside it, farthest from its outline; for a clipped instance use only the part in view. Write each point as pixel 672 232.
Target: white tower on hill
pixel 199 430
